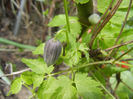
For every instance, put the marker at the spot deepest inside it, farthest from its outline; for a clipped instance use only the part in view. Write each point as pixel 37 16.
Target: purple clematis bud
pixel 52 51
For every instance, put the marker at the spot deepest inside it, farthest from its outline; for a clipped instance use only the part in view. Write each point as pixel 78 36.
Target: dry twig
pixel 48 18
pixel 15 73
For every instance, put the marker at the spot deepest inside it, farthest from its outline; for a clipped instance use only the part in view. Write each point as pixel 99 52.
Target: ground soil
pixel 29 36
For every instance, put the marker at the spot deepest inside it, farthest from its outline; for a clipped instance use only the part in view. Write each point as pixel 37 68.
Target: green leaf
pixel 111 29
pixel 37 65
pixel 49 69
pixel 75 27
pixel 73 55
pixel 86 37
pixel 127 33
pixel 125 76
pixel 123 91
pixel 106 42
pixel 60 88
pixel 67 90
pixel 37 80
pixel 61 35
pixel 81 1
pixel 72 58
pixel 39 49
pixel 109 70
pixel 48 88
pixel 86 87
pixel 100 77
pixel 45 12
pixel 83 47
pixel 107 36
pixel 27 77
pixel 32 78
pixel 15 86
pixel 124 4
pixel 58 20
pixel 129 24
pixel 102 5
pixel 118 17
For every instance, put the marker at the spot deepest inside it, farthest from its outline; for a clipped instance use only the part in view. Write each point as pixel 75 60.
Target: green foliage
pixel 73 56
pixel 61 35
pixel 47 88
pixel 37 80
pixel 109 70
pixel 26 77
pixel 39 49
pixel 81 1
pixel 86 87
pixel 32 78
pixel 60 88
pixel 60 20
pixel 83 48
pixel 38 65
pixel 15 86
pixel 103 5
pixel 111 30
pixel 68 91
pixel 87 75
pixel 122 90
pixel 45 12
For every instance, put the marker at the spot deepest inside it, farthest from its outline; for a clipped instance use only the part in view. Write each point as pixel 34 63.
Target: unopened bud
pixel 52 51
pixel 94 18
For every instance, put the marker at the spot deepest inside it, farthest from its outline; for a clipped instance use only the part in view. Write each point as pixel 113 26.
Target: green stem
pixel 2 40
pixel 123 54
pixel 73 74
pixel 67 20
pixel 27 87
pixel 78 67
pixel 120 63
pixel 94 63
pixel 68 29
pixel 89 64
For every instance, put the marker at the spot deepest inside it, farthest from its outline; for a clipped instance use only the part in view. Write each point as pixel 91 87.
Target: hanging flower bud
pixel 52 51
pixel 94 18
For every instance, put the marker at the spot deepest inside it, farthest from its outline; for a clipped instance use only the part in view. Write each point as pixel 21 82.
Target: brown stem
pixel 118 81
pixel 37 11
pixel 95 28
pixel 124 22
pixel 108 17
pixel 48 18
pixel 119 45
pixel 113 52
pixel 123 54
pixel 129 59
